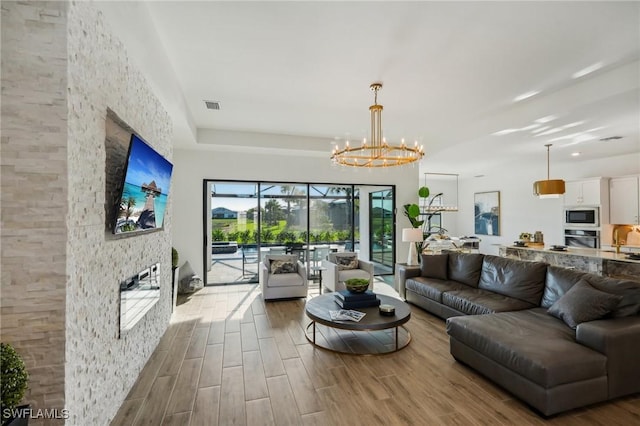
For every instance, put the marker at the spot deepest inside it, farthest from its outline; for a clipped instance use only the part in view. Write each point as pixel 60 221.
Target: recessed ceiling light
pixel 525 96
pixel 588 70
pixel 575 154
pixel 546 119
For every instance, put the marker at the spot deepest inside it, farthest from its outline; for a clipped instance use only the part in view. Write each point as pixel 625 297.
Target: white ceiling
pixel 450 72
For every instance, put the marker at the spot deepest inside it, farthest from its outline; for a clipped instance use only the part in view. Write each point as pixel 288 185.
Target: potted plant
pixel 412 211
pixel 13 378
pixel 357 285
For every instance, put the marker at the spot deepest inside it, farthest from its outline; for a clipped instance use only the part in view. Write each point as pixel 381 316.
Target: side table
pixel 319 269
pixel 402 272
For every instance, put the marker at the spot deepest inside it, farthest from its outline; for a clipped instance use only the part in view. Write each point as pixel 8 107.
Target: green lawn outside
pixel 227 230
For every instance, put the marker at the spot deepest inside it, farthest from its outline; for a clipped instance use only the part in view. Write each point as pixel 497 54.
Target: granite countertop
pixel 608 254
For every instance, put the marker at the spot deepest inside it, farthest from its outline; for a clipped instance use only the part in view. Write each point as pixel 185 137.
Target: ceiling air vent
pixel 611 138
pixel 212 104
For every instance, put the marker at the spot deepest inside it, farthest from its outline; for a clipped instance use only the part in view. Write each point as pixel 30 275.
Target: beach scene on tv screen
pixel 145 191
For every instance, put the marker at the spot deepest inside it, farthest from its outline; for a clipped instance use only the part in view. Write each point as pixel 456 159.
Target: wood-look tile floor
pixel 228 358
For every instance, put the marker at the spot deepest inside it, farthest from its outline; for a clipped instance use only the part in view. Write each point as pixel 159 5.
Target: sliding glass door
pixel 246 220
pixel 283 220
pixel 233 221
pixel 381 233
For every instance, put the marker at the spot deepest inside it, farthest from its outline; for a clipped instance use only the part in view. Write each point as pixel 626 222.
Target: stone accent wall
pixel 62 70
pixel 33 193
pixel 101 368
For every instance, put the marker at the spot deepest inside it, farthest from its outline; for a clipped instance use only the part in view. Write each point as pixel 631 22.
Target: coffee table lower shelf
pixel 361 342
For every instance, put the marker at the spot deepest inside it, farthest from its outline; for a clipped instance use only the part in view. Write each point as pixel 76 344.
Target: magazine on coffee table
pixel 346 315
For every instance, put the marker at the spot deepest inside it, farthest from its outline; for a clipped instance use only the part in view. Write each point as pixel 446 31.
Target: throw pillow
pixel 347 262
pixel 583 303
pixel 283 267
pixel 434 266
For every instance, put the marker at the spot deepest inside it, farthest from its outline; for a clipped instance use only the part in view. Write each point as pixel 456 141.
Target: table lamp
pixel 412 236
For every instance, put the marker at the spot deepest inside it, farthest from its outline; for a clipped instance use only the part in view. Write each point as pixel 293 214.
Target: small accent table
pixel 319 269
pixel 371 339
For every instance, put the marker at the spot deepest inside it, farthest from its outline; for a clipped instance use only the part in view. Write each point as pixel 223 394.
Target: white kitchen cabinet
pixel 625 200
pixel 588 192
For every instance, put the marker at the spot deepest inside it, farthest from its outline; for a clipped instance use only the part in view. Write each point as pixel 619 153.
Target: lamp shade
pixel 548 188
pixel 412 235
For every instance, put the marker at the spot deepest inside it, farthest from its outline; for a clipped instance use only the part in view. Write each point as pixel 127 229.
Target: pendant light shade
pixel 550 188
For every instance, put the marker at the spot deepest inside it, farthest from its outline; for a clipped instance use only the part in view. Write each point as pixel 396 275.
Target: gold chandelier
pixel 550 188
pixel 378 153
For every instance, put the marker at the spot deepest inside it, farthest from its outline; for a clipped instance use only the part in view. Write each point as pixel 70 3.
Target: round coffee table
pixel 367 343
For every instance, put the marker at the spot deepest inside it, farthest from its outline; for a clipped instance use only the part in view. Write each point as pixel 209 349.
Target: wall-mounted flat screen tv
pixel 145 189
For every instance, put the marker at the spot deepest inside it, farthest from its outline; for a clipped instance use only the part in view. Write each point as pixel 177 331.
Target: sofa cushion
pixel 432 288
pixel 283 267
pixel 434 266
pixel 465 267
pixel 285 280
pixel 476 301
pixel 583 303
pixel 514 278
pixel 273 257
pixel 347 262
pixel 559 281
pixel 629 290
pixel 530 343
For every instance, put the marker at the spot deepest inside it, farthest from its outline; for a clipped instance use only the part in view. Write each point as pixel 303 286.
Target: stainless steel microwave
pixel 582 216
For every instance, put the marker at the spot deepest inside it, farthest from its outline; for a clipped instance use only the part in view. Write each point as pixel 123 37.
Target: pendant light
pixel 378 152
pixel 550 188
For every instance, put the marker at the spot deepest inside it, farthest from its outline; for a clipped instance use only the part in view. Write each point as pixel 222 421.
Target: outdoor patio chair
pixel 320 253
pixel 283 276
pixel 345 265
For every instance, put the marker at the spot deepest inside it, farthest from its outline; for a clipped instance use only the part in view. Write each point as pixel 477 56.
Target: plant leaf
pixel 413 210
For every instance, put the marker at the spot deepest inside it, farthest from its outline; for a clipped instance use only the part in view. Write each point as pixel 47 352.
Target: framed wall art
pixel 487 212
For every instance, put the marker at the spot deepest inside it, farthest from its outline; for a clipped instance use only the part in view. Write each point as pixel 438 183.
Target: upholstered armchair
pixel 345 265
pixel 282 276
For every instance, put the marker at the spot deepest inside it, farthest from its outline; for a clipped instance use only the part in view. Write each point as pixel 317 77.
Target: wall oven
pixel 581 217
pixel 582 238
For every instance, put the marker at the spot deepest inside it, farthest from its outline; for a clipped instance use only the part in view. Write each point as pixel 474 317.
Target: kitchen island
pixel 602 262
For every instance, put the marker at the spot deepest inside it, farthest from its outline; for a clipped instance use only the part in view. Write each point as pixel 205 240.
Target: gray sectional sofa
pixel 556 338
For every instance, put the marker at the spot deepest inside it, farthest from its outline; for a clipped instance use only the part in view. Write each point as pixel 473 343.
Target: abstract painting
pixel 487 212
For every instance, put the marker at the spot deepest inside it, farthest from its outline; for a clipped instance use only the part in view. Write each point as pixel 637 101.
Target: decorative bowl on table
pixel 357 285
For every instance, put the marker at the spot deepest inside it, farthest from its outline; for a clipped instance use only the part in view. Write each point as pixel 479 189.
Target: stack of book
pixel 347 300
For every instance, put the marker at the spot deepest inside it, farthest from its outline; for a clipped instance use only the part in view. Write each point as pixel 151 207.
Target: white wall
pixel 191 167
pixel 522 212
